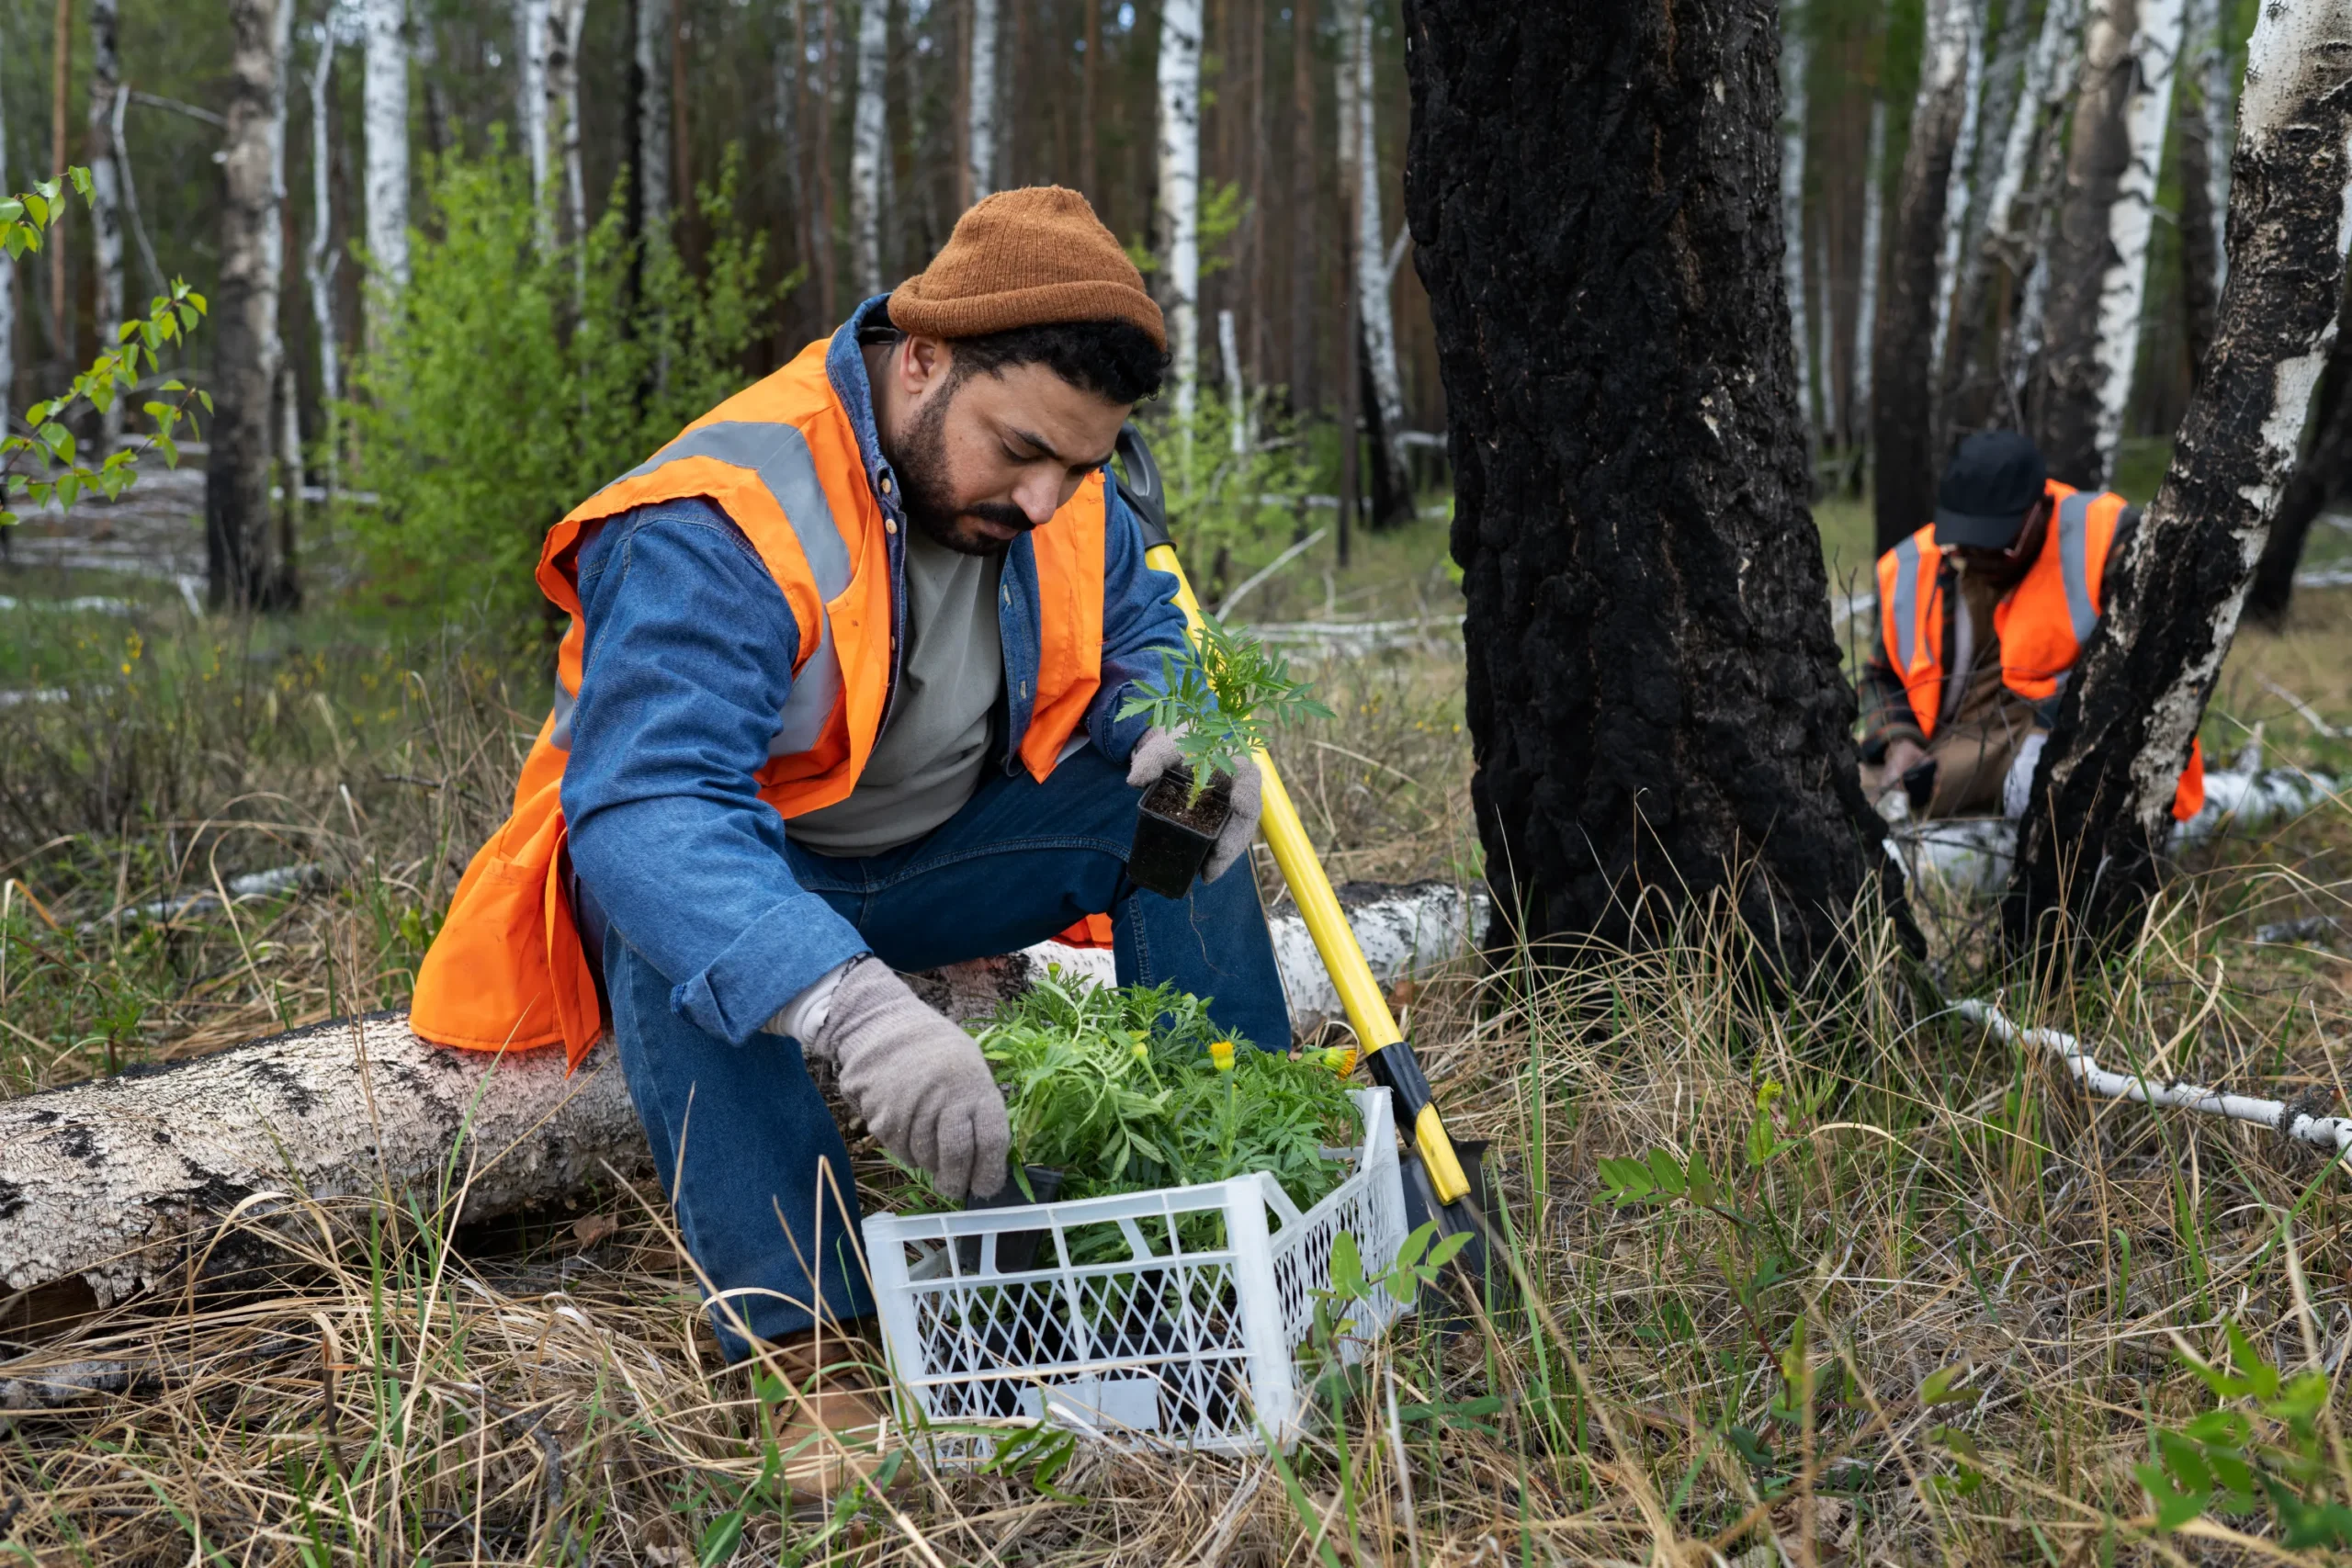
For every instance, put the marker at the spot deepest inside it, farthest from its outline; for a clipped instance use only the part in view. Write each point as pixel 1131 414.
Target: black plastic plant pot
pixel 1175 833
pixel 1016 1251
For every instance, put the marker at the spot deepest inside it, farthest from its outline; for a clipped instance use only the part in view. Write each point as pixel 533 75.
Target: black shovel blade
pixel 1472 1275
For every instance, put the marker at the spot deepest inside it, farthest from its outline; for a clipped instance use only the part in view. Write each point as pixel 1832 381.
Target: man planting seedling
pixel 851 686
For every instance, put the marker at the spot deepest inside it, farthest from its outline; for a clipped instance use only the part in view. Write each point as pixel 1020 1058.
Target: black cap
pixel 1992 485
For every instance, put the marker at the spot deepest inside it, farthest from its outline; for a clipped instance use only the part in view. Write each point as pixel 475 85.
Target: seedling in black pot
pixel 1222 699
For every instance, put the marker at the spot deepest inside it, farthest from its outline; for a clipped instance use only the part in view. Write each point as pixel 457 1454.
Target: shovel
pixel 1444 1181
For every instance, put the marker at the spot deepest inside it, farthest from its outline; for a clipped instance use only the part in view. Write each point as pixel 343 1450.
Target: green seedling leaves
pixel 1938 1390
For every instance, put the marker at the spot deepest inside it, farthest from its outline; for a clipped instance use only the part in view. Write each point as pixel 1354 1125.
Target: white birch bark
pixel 531 107
pixel 1361 130
pixel 2104 790
pixel 122 1181
pixel 1180 192
pixel 1236 397
pixel 106 197
pixel 2124 287
pixel 2042 97
pixel 1825 340
pixel 1958 187
pixel 321 260
pixel 565 18
pixel 869 120
pixel 386 111
pixel 979 115
pixel 1873 245
pixel 2213 67
pixel 1796 60
pixel 653 46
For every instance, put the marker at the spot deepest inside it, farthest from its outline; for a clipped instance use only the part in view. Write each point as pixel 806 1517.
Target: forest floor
pixel 1999 1283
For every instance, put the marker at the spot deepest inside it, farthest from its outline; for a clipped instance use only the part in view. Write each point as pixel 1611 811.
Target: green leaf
pixel 1938 1389
pixel 2227 1428
pixel 81 178
pixel 37 209
pixel 1448 1248
pixel 1667 1173
pixel 1347 1267
pixel 2172 1509
pixel 69 488
pixel 11 209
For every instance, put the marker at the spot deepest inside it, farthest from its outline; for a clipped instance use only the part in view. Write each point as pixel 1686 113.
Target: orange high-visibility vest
pixel 781 459
pixel 2042 622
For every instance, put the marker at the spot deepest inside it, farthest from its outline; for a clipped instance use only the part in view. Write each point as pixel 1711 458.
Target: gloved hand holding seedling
pixel 1221 701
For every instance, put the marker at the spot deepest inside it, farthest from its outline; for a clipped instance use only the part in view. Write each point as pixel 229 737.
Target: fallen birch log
pixel 123 1182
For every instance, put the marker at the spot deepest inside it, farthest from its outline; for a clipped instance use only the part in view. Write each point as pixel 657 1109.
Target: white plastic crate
pixel 1189 1340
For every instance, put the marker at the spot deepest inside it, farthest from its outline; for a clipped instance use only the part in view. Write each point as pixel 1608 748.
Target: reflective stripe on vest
pixel 779 454
pixel 1906 604
pixel 2074 565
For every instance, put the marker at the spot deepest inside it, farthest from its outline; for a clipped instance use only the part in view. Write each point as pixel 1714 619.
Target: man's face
pixel 2005 567
pixel 984 457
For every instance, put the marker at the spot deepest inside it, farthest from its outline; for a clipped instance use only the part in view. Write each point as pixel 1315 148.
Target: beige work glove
pixel 919 1083
pixel 1157 753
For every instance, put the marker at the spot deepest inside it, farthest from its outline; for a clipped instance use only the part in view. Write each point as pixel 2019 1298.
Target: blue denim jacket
pixel 690 647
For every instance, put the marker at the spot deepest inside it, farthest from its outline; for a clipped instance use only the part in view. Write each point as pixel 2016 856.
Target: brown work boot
pixel 834 1425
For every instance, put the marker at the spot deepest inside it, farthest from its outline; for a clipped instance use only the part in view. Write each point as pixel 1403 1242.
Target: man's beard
pixel 928 497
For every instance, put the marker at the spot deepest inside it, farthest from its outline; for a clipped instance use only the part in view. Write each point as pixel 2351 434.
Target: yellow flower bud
pixel 1221 1053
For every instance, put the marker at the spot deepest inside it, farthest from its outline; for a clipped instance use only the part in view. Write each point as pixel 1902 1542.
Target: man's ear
pixel 922 364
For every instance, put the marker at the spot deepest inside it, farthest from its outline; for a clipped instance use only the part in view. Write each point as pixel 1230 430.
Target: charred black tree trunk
pixel 2322 474
pixel 1907 464
pixel 1654 692
pixel 2101 815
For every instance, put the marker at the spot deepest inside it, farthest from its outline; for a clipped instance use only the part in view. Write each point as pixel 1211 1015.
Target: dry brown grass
pixel 547 1392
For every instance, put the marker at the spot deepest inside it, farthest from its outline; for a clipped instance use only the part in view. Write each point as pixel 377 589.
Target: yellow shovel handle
pixel 1335 940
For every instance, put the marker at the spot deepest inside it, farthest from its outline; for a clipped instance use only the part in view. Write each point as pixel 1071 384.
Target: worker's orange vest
pixel 2043 622
pixel 781 459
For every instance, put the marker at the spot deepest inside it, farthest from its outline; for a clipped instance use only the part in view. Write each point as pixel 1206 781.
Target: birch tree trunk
pixel 651 154
pixel 386 108
pixel 244 570
pixel 106 199
pixel 1959 199
pixel 1653 692
pixel 2322 474
pixel 2004 100
pixel 1180 192
pixel 531 107
pixel 1872 261
pixel 322 261
pixel 2100 816
pixel 2098 263
pixel 1902 412
pixel 1360 150
pixel 979 114
pixel 565 18
pixel 1795 62
pixel 869 121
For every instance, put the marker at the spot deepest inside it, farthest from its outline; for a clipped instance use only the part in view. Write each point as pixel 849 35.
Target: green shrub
pixel 515 382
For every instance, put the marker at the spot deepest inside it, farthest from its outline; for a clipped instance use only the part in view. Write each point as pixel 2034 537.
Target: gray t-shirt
pixel 929 758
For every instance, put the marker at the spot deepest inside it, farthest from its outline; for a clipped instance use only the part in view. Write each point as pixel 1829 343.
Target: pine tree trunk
pixel 1383 395
pixel 1653 692
pixel 980 121
pixel 531 107
pixel 2101 811
pixel 2099 265
pixel 386 103
pixel 7 298
pixel 1305 309
pixel 869 120
pixel 1903 347
pixel 321 260
pixel 1795 64
pixel 106 199
pixel 243 565
pixel 1180 192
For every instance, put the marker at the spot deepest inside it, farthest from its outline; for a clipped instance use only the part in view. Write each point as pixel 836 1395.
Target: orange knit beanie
pixel 1026 258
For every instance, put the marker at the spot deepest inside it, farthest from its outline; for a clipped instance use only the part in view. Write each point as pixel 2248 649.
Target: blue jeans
pixel 741 1139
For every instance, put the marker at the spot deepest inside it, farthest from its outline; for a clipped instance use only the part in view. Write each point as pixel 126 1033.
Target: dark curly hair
pixel 1114 360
